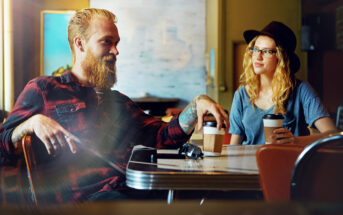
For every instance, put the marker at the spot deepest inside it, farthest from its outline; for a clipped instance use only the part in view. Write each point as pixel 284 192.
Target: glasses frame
pixel 267 53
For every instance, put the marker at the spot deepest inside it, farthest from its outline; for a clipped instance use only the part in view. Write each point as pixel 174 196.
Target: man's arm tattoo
pixel 188 117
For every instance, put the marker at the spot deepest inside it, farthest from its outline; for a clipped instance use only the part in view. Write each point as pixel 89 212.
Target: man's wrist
pixel 20 131
pixel 188 117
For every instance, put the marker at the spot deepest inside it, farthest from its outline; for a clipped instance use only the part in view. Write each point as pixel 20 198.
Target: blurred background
pixel 172 50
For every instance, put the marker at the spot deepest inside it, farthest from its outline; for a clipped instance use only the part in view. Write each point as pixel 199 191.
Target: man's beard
pixel 100 72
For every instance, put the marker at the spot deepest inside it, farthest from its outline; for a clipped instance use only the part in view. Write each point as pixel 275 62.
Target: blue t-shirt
pixel 303 108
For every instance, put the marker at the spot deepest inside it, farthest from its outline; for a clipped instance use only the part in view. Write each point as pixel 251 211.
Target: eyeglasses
pixel 267 53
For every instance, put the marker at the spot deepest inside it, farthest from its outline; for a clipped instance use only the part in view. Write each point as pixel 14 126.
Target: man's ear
pixel 78 41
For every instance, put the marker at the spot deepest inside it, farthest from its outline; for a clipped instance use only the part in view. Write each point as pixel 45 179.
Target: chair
pixel 30 161
pixel 318 171
pixel 46 180
pixel 13 183
pixel 339 118
pixel 41 182
pixel 3 115
pixel 275 163
pixel 57 179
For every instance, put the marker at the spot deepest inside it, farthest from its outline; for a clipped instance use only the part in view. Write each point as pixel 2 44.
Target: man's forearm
pixel 188 116
pixel 20 131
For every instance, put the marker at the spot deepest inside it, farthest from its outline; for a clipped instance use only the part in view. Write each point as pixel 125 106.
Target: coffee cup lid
pixel 273 116
pixel 212 124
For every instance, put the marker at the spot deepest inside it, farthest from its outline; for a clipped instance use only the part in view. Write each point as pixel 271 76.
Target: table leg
pixel 202 200
pixel 170 197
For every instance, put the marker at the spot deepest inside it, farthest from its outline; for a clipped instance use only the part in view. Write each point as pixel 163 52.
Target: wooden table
pixel 236 169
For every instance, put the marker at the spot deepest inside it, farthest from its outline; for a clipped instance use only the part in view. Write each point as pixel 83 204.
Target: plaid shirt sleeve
pixel 166 135
pixel 29 103
pixel 152 131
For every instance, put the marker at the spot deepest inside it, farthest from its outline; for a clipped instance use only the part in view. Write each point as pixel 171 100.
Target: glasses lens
pixel 267 53
pixel 252 51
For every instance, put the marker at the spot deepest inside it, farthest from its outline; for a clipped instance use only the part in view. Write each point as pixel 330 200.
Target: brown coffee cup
pixel 213 139
pixel 270 123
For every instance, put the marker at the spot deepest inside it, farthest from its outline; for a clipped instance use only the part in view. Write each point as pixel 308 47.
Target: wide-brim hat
pixel 283 37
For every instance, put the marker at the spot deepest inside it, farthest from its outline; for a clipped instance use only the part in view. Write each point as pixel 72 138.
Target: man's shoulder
pixel 119 97
pixel 44 81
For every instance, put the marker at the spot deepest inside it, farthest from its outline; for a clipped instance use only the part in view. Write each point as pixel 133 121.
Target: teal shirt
pixel 303 109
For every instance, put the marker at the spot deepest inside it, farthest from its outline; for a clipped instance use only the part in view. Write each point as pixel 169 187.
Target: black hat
pixel 283 37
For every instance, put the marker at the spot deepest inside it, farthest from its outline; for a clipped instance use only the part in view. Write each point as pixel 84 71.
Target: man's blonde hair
pixel 79 23
pixel 282 83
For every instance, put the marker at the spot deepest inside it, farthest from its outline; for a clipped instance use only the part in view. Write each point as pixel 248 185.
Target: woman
pixel 268 86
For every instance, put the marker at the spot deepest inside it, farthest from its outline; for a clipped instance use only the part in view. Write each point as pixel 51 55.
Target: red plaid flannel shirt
pixel 112 126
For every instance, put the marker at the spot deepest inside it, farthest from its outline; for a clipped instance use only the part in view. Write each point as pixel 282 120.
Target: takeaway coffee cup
pixel 271 122
pixel 213 139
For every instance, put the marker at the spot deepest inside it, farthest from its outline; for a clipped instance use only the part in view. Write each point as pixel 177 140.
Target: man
pixel 79 108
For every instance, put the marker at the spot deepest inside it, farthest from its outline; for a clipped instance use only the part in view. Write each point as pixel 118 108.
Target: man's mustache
pixel 109 58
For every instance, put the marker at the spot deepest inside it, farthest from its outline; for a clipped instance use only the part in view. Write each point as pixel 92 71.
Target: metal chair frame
pixel 305 156
pixel 339 118
pixel 30 165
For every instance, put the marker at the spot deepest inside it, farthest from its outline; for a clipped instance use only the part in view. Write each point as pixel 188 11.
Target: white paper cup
pixel 270 123
pixel 213 139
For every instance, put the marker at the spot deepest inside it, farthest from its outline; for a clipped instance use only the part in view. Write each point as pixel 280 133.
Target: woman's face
pixel 264 56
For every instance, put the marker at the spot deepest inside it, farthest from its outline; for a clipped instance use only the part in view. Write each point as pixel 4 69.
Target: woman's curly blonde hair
pixel 282 83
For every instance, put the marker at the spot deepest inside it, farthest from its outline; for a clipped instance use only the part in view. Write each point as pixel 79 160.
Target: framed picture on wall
pixel 55 52
pixel 212 69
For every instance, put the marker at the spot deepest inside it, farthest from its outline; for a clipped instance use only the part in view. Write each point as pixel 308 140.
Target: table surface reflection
pixel 235 169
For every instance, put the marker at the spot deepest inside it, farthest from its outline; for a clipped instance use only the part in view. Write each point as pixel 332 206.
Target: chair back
pixel 275 163
pixel 30 162
pixel 42 181
pixel 66 177
pixel 49 180
pixel 14 186
pixel 13 183
pixel 3 115
pixel 339 118
pixel 318 171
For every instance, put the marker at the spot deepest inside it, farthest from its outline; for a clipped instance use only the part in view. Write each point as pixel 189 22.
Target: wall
pixel 225 22
pixel 26 37
pixel 162 47
pixel 325 60
pixel 214 29
pixel 238 16
pixel 26 30
pixel 64 4
pixel 332 71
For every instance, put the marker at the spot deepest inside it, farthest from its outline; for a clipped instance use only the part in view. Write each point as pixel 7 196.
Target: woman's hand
pixel 282 135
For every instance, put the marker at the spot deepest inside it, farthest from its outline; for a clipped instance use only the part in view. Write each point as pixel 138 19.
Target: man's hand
pixel 50 132
pixel 206 105
pixel 199 107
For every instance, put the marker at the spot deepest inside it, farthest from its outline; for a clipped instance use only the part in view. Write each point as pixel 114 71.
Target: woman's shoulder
pixel 303 86
pixel 241 95
pixel 304 90
pixel 242 90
